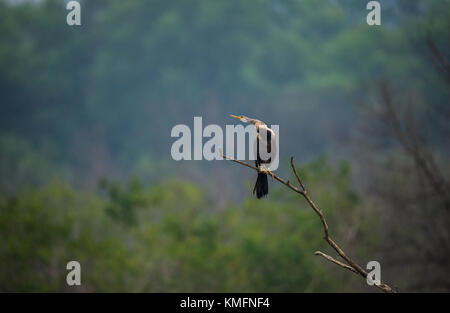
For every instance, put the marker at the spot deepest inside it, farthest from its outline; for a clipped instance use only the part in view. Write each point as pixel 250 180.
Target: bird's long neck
pixel 254 122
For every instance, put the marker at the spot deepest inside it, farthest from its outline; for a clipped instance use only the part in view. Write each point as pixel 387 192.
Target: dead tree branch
pixel 413 145
pixel 440 61
pixel 351 265
pixel 331 259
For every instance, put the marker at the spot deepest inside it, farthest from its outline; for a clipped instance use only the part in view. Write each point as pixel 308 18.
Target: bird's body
pixel 264 148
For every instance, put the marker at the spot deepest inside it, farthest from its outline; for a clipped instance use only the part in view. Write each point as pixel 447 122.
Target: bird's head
pixel 242 118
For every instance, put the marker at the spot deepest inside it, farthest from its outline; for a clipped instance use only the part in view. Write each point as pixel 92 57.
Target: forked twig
pixel 331 259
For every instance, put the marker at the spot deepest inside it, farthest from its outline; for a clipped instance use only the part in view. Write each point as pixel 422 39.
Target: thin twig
pixel 331 259
pixel 296 175
pixel 352 264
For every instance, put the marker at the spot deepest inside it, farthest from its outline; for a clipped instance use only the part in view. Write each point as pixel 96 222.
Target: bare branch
pixel 352 264
pixel 296 174
pixel 441 63
pixel 412 144
pixel 331 259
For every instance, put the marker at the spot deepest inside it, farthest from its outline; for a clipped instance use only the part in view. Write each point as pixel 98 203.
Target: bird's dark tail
pixel 261 186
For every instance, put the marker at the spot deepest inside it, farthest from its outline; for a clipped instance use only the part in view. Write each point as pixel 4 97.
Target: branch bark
pixel 331 259
pixel 301 189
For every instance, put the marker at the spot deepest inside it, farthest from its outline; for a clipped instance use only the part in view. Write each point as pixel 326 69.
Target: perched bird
pixel 265 149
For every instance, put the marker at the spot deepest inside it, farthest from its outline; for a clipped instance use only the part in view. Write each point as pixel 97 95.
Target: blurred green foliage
pixel 168 237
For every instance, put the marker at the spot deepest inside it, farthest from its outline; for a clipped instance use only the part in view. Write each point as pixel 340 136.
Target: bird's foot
pixel 267 172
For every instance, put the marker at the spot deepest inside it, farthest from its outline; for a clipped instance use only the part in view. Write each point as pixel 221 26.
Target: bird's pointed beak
pixel 238 117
